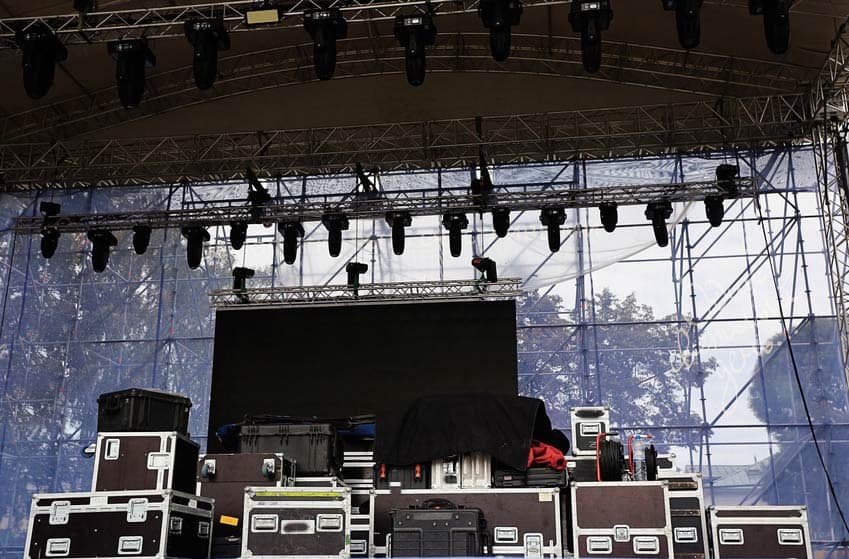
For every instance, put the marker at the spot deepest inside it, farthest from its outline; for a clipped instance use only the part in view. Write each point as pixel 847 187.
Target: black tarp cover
pixel 438 426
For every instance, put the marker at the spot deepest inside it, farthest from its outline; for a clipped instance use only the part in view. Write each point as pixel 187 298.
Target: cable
pixel 796 374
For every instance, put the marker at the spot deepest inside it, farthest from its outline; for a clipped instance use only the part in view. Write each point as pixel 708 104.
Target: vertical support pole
pixel 580 298
pixel 833 208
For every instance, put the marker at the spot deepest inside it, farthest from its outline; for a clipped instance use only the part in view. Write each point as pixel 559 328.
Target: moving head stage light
pixel 195 236
pixel 207 36
pixel 131 57
pixel 49 233
pixel 398 221
pixel 415 32
pixel 335 223
pixel 325 27
pixel 101 241
pixel 141 238
pixel 658 213
pixel 41 51
pixel 590 19
pixel 499 16
pixel 355 270
pixel 687 21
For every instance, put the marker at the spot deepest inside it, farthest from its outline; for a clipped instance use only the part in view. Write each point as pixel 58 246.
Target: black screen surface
pixel 352 360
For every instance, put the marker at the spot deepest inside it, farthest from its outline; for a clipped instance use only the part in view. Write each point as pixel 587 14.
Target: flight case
pixel 152 524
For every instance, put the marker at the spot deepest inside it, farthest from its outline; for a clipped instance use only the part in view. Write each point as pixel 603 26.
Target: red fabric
pixel 542 454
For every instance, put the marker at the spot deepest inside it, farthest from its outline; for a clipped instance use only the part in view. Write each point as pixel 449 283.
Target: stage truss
pixel 376 205
pixel 368 293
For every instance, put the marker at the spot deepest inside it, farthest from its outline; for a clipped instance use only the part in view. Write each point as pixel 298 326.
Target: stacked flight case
pixel 759 532
pixel 225 477
pixel 687 510
pixel 143 501
pixel 621 519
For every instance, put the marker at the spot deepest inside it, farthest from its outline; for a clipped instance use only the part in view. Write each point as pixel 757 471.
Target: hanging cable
pixel 831 489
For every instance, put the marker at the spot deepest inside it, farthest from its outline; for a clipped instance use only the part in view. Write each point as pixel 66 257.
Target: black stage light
pixel 335 224
pixel 292 231
pixel 501 220
pixel 141 238
pixel 238 234
pixel 49 241
pixel 240 275
pixel 756 7
pixel 132 56
pixel 777 25
pixel 49 233
pixel 726 175
pixel 553 218
pixel 195 237
pixel 41 51
pixel 325 27
pixel 415 32
pixel 355 270
pixel 714 210
pixel 499 16
pixel 609 215
pixel 590 18
pixel 258 195
pixel 658 213
pixel 49 209
pixel 101 241
pixel 688 22
pixel 207 36
pixel 455 223
pixel 486 266
pixel 398 221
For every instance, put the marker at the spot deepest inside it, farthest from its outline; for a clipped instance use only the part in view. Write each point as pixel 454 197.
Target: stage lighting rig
pixel 207 36
pixel 726 176
pixel 609 212
pixel 258 195
pixel 355 270
pixel 291 231
pixel 101 241
pixel 325 26
pixel 553 218
pixel 240 277
pixel 365 187
pixel 687 20
pixel 398 221
pixel 501 220
pixel 415 32
pixel 590 18
pixel 141 238
pixel 658 213
pixel 49 241
pixel 776 14
pixel 238 234
pixel 455 223
pixel 499 16
pixel 41 51
pixel 132 56
pixel 49 233
pixel 486 266
pixel 335 223
pixel 195 236
pixel 714 210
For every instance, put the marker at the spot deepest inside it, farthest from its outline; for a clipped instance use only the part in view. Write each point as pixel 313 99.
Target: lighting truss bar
pixel 640 65
pixel 829 97
pixel 699 126
pixel 421 202
pixel 342 295
pixel 167 21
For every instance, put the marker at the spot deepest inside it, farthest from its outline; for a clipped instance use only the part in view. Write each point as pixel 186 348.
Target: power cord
pixel 796 374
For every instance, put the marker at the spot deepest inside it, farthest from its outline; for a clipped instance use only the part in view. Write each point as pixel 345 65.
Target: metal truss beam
pixel 339 295
pixel 829 97
pixel 833 199
pixel 667 69
pixel 167 21
pixel 699 126
pixel 517 197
